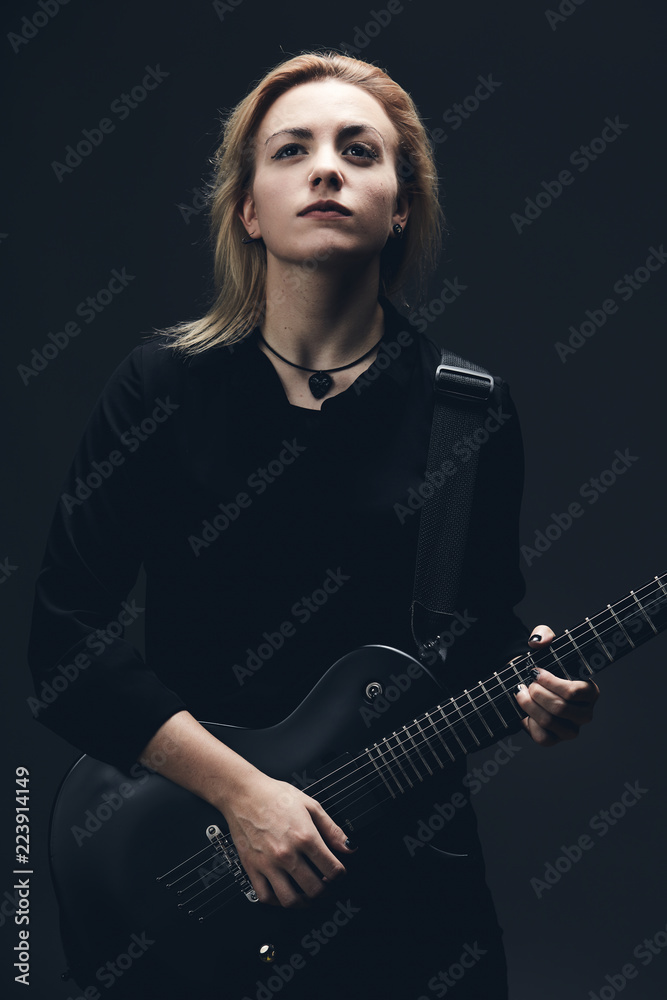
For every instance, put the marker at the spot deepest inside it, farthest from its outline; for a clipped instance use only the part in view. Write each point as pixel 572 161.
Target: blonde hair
pixel 240 270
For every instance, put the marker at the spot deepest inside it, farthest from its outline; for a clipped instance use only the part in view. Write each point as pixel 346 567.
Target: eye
pixel 285 152
pixel 362 151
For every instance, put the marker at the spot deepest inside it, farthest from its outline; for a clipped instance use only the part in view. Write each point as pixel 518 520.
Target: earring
pixel 397 231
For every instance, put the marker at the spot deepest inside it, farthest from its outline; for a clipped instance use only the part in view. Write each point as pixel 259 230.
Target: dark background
pixel 119 208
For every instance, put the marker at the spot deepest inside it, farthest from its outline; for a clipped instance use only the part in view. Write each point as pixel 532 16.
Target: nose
pixel 324 169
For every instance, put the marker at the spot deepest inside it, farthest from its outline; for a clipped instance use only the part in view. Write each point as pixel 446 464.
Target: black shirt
pixel 275 539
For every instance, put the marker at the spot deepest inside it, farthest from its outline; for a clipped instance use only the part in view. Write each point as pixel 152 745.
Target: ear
pixel 402 210
pixel 248 216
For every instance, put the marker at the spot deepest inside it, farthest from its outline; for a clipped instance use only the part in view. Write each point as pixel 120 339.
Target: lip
pixel 326 210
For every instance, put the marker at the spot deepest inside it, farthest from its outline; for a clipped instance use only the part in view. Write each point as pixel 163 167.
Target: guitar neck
pixel 487 711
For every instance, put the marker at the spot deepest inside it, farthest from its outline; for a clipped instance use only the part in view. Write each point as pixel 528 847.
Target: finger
pixel 263 888
pixel 541 736
pixel 299 882
pixel 330 832
pixel 541 635
pixel 583 692
pixel 286 892
pixel 541 719
pixel 574 711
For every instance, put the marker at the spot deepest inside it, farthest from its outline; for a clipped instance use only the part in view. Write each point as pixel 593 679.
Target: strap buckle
pixel 452 381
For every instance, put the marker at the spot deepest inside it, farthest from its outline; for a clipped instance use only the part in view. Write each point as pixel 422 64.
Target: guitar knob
pixel 373 690
pixel 267 953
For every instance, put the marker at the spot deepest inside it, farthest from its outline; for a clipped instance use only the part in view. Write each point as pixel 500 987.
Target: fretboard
pixel 481 715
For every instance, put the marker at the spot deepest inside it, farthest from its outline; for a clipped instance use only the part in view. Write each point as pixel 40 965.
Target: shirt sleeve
pixel 92 687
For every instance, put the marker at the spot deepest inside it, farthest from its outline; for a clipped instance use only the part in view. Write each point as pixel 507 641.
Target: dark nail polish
pixel 535 638
pixel 519 687
pixel 351 846
pixel 535 672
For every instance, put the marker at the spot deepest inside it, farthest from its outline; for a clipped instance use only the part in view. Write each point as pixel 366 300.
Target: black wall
pixel 556 79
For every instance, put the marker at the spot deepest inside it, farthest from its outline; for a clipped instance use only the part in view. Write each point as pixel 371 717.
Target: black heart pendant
pixel 320 383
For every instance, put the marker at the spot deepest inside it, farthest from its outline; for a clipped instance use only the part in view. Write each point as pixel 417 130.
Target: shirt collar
pixel 391 369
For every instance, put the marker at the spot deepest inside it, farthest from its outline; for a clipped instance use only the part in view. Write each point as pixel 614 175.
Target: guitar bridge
pixel 201 887
pixel 228 851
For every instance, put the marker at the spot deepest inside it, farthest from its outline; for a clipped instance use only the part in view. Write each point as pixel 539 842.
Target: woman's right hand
pixel 282 835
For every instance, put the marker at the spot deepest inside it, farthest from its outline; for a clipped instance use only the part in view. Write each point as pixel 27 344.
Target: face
pixel 332 142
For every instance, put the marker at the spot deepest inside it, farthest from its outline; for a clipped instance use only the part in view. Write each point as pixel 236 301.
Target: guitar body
pixel 113 836
pixel 142 866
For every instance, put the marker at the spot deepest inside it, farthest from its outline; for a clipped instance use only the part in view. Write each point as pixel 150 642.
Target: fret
pixel 658 580
pixel 511 666
pixel 406 754
pixel 578 652
pixel 462 717
pixel 558 661
pixel 509 696
pixel 429 716
pixel 451 727
pixel 481 717
pixel 643 612
pixel 398 764
pixel 492 702
pixel 427 740
pixel 595 633
pixel 379 771
pixel 620 625
pixel 412 740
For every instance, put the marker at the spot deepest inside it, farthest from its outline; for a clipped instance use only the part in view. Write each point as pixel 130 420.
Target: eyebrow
pixel 344 132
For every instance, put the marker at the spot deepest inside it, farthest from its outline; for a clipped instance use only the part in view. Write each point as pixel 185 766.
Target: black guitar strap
pixel 462 394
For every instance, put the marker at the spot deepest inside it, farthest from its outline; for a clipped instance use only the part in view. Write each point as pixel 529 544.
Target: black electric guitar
pixel 139 859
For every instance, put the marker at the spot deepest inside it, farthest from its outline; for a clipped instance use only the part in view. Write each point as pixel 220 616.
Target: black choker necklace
pixel 320 381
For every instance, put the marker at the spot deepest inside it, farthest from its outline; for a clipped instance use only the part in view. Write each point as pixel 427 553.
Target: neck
pixel 321 319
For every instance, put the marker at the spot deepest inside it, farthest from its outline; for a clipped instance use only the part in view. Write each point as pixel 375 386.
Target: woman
pixel 259 459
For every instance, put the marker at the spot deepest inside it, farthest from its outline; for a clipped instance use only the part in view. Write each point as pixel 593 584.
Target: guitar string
pixel 459 723
pixel 540 655
pixel 458 717
pixel 409 754
pixel 450 724
pixel 454 721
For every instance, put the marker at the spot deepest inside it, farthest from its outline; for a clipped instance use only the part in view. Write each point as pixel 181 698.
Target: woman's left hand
pixel 556 708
